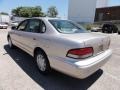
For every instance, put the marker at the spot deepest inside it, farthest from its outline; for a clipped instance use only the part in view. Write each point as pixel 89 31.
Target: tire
pixel 114 31
pixel 10 43
pixel 103 31
pixel 42 62
pixel 119 33
pixel 109 31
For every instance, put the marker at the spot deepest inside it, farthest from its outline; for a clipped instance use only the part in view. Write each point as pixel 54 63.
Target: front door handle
pixel 34 38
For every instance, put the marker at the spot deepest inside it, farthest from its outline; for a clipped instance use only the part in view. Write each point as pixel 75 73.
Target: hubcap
pixel 9 42
pixel 41 62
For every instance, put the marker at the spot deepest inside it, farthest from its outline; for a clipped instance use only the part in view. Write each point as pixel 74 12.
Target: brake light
pixel 80 53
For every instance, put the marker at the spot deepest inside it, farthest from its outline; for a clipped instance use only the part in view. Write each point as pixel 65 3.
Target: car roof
pixel 47 18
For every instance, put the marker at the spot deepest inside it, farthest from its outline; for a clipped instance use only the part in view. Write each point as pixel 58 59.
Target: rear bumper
pixel 83 68
pixel 88 69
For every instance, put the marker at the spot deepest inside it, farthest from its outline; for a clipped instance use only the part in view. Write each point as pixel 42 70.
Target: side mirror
pixel 13 27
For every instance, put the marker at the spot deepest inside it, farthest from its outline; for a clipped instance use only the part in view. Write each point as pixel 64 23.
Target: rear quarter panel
pixel 56 47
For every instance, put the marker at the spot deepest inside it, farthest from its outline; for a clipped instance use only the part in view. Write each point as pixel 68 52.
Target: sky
pixel 62 5
pixel 114 2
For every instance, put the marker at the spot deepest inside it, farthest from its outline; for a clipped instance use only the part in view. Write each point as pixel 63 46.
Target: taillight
pixel 80 53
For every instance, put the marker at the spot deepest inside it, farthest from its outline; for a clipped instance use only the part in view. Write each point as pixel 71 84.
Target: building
pixel 4 18
pixel 102 3
pixel 84 10
pixel 107 13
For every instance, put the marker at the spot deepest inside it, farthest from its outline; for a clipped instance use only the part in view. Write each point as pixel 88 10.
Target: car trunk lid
pixel 99 42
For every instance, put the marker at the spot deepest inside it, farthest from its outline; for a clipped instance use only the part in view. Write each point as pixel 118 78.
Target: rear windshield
pixel 65 26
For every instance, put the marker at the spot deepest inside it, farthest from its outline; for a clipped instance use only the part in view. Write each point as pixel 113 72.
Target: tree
pixel 52 11
pixel 37 12
pixel 25 12
pixel 4 13
pixel 15 12
pixel 28 12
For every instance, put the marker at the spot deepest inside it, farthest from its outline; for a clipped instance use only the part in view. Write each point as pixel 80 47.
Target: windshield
pixel 65 26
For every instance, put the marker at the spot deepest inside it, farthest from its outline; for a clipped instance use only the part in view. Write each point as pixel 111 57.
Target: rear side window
pixel 36 26
pixel 33 26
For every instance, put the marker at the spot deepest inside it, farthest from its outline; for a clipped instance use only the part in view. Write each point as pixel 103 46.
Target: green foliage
pixel 16 11
pixel 28 12
pixel 4 13
pixel 25 12
pixel 87 26
pixel 52 11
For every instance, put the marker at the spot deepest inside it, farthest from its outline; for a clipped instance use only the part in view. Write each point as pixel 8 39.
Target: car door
pixel 30 37
pixel 17 35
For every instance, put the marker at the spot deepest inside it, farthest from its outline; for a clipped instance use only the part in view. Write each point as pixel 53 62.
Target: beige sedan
pixel 62 45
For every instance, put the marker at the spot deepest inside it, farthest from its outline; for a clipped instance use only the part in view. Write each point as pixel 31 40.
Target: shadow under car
pixel 55 80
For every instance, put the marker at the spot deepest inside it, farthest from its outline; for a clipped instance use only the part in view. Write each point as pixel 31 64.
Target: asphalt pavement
pixel 18 71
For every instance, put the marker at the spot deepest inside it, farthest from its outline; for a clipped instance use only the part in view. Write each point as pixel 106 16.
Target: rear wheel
pixel 42 62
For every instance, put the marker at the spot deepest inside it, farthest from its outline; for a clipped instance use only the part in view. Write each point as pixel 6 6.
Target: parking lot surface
pixel 18 71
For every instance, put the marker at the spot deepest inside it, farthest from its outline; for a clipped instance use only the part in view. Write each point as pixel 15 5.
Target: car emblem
pixel 101 47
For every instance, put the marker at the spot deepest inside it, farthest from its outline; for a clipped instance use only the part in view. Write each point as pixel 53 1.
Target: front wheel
pixel 42 62
pixel 10 43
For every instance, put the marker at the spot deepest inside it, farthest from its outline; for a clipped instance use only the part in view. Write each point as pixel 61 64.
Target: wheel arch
pixel 39 49
pixel 47 62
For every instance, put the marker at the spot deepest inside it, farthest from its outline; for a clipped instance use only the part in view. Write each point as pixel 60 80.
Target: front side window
pixel 65 26
pixel 22 26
